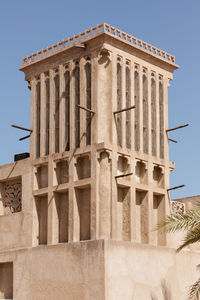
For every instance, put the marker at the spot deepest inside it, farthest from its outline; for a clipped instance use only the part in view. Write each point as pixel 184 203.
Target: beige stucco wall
pixel 16 228
pixel 110 270
pixel 135 271
pixel 66 271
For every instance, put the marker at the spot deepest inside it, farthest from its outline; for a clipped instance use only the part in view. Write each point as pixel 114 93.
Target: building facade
pixel 77 216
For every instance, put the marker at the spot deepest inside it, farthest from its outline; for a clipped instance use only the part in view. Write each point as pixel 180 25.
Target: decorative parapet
pixel 177 207
pixel 91 33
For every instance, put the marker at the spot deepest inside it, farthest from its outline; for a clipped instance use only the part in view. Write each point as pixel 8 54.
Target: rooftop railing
pixel 89 34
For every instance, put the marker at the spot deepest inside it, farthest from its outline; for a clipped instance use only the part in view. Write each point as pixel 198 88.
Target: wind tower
pixel 98 171
pixel 99 148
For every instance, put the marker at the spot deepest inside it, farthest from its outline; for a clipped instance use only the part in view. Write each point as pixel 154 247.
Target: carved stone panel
pixel 177 207
pixel 12 197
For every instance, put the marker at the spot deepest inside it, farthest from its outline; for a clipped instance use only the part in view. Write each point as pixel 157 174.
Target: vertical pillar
pixel 74 218
pixel 104 195
pixel 152 219
pixel 137 217
pixel 52 113
pixel 82 102
pixel 137 120
pixel 94 99
pixel 52 227
pixel 33 119
pixel 72 106
pixel 149 113
pixel 123 103
pixel 104 97
pixel 165 109
pixel 132 120
pixel 114 219
pixel 157 116
pixel 134 236
pixel 114 98
pixel 62 109
pixel 128 114
pixel 141 107
pixel 94 196
pixel 161 112
pixel 43 115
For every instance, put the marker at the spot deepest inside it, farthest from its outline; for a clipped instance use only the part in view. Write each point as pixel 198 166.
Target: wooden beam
pixel 176 187
pixel 25 137
pixel 86 109
pixel 175 128
pixel 123 175
pixel 124 109
pixel 171 140
pixel 22 128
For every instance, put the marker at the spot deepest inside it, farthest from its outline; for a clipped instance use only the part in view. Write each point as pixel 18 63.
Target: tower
pixel 99 113
pixel 95 185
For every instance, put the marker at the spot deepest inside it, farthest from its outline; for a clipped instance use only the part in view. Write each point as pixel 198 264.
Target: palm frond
pixel 180 222
pixel 194 291
pixel 192 236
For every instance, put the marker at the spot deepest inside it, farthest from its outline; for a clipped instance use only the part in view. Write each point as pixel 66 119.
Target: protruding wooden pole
pixel 175 128
pixel 86 109
pixel 25 137
pixel 176 187
pixel 124 109
pixel 123 175
pixel 22 128
pixel 171 140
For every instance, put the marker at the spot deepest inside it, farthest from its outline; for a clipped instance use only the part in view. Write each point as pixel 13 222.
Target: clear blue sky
pixel 174 26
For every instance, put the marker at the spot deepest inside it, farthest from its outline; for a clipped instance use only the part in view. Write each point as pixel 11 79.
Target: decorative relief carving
pixel 177 207
pixel 12 197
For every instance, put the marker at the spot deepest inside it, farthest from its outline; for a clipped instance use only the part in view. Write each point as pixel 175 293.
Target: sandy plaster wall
pixel 137 272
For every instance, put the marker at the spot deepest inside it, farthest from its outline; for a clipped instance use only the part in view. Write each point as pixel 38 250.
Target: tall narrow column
pixel 137 108
pixel 123 103
pixel 149 114
pixel 141 107
pixel 43 115
pixel 52 113
pixel 114 220
pixel 94 196
pixel 157 116
pixel 72 106
pixel 165 103
pixel 94 97
pixel 47 113
pixel 104 190
pixel 38 117
pixel 128 114
pixel 104 97
pixel 145 110
pixel 132 84
pixel 67 105
pixel 52 231
pixel 118 116
pixel 33 119
pixel 61 109
pixel 153 118
pixel 82 113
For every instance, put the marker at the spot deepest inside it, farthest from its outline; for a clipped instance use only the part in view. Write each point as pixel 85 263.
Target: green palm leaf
pixel 194 292
pixel 192 236
pixel 180 222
